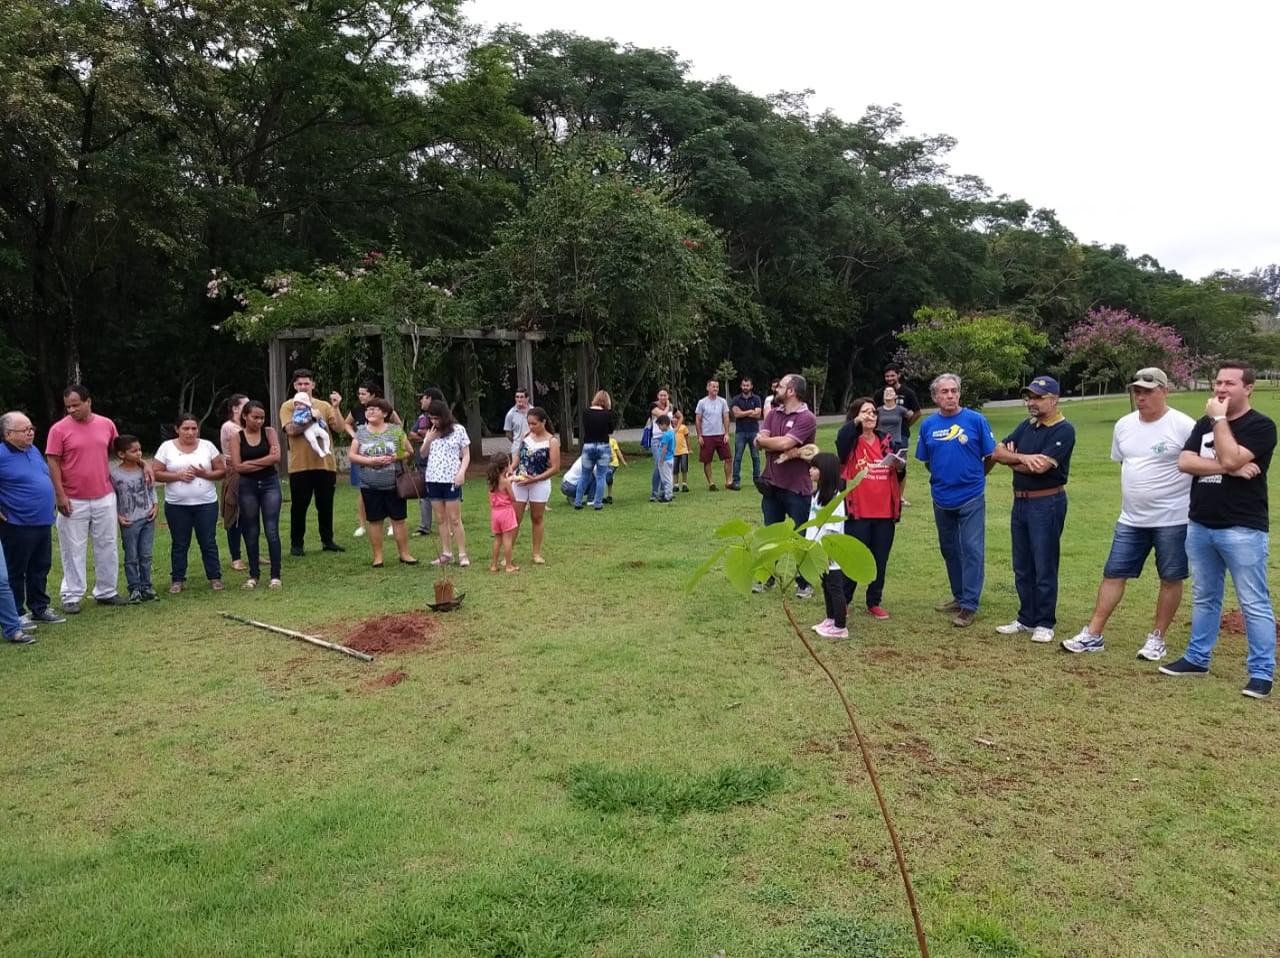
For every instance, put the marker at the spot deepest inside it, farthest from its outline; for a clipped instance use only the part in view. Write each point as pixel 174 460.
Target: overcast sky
pixel 1148 124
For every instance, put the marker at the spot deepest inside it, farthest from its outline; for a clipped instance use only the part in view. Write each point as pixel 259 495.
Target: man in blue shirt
pixel 1039 453
pixel 956 445
pixel 26 519
pixel 747 412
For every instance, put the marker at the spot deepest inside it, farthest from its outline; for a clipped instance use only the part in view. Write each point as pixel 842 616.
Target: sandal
pixel 445 558
pixel 176 587
pixel 250 584
pixel 274 584
pixel 463 561
pixel 216 585
pixel 538 560
pixel 378 564
pixel 238 565
pixel 409 561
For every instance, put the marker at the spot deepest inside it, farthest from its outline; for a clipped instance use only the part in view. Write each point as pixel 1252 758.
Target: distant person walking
pixel 711 421
pixel 1039 453
pixel 893 396
pixel 310 474
pixel 1154 498
pixel 78 449
pixel 956 445
pixel 255 453
pixel 1227 455
pixel 748 413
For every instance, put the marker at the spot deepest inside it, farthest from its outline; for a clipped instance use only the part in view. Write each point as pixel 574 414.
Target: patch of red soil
pixel 404 632
pixel 1233 623
pixel 386 681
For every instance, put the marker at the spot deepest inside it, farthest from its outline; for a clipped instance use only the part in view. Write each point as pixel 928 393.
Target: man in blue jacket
pixel 956 445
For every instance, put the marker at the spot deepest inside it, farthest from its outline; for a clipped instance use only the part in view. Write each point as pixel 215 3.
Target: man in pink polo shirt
pixel 77 449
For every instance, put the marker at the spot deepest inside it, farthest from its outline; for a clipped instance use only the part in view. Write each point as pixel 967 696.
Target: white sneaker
pixel 1153 649
pixel 804 592
pixel 359 532
pixel 1042 634
pixel 1013 628
pixel 1084 641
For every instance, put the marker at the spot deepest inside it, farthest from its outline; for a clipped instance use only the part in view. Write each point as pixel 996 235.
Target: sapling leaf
pixel 784 570
pixel 775 532
pixel 851 555
pixel 703 569
pixel 734 529
pixel 814 563
pixel 739 567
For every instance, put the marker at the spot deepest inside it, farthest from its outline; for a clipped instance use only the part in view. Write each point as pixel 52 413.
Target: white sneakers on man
pixel 1039 634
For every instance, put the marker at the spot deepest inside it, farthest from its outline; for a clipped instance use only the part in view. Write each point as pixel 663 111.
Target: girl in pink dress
pixel 502 514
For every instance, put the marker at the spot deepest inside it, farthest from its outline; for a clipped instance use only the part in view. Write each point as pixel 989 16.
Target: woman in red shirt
pixel 874 505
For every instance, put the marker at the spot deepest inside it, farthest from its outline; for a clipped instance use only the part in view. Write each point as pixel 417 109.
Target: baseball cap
pixel 1151 378
pixel 1043 386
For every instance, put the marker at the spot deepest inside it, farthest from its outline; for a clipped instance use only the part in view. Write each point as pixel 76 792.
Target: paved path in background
pixel 494 444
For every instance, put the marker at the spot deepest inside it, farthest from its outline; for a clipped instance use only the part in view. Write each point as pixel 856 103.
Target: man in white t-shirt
pixel 516 424
pixel 711 419
pixel 1154 498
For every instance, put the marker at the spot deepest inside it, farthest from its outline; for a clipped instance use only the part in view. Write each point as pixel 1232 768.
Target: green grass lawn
pixel 592 762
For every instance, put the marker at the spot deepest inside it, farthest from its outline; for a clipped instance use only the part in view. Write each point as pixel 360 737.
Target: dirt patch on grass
pixel 403 632
pixel 1233 623
pixel 385 681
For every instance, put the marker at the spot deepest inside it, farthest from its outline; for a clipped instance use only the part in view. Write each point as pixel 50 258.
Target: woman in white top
pixel 229 501
pixel 537 459
pixel 189 466
pixel 446 450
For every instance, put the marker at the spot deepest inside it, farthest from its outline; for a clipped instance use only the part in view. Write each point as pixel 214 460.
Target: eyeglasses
pixel 23 429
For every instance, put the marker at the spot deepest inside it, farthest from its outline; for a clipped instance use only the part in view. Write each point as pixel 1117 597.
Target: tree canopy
pixel 546 180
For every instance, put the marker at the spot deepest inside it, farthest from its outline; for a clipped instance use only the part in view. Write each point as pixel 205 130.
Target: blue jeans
pixel 748 441
pixel 9 623
pixel 1036 526
pixel 138 539
pixel 203 521
pixel 962 537
pixel 260 506
pixel 1242 552
pixel 28 552
pixel 595 465
pixel 777 504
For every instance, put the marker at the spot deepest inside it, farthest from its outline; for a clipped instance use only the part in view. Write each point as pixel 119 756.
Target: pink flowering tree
pixel 1110 345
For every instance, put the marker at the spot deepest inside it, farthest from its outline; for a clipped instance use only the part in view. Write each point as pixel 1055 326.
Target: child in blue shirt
pixel 664 457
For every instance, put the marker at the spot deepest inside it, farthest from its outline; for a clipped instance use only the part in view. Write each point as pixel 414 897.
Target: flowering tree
pixel 375 289
pixel 987 351
pixel 1110 345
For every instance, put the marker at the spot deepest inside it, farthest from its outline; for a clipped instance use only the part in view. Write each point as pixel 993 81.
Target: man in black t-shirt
pixel 1227 455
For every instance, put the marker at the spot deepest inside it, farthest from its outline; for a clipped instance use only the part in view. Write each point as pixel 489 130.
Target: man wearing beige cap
pixel 1154 498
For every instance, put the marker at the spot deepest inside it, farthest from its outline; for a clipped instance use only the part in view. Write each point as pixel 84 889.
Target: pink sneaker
pixel 824 624
pixel 831 632
pixel 877 613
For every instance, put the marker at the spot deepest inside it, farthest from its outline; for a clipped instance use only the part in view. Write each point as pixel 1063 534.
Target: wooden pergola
pixel 277 353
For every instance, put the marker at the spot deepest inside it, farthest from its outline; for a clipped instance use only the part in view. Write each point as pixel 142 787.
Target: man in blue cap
pixel 1039 453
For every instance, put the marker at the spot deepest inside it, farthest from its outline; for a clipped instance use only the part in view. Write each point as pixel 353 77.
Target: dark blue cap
pixel 1043 386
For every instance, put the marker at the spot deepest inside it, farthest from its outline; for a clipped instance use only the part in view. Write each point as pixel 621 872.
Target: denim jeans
pixel 877 535
pixel 10 625
pixel 747 441
pixel 962 538
pixel 28 552
pixel 138 538
pixel 260 507
pixel 1242 552
pixel 1036 526
pixel 777 504
pixel 203 521
pixel 595 465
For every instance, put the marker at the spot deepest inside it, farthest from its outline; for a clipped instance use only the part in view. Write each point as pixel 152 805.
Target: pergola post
pixel 524 364
pixel 275 396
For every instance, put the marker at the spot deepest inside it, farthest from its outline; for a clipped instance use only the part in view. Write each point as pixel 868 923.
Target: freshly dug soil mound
pixel 1233 623
pixel 404 632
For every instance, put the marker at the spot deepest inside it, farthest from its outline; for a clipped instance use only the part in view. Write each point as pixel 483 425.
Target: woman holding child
pixel 537 460
pixel 379 448
pixel 254 454
pixel 190 466
pixel 874 506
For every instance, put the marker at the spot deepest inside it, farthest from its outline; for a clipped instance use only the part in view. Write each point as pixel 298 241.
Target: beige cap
pixel 304 398
pixel 1151 378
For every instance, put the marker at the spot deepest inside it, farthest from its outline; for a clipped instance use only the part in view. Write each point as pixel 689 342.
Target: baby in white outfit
pixel 316 433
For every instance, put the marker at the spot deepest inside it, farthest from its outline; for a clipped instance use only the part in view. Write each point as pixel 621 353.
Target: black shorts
pixel 383 504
